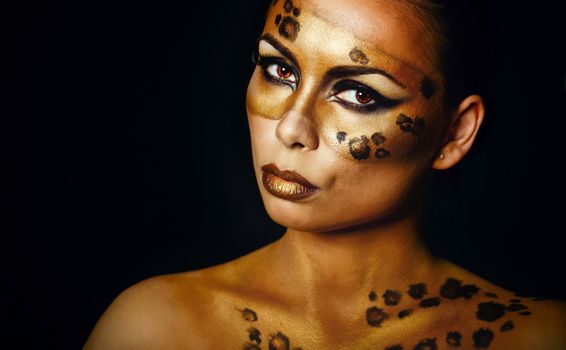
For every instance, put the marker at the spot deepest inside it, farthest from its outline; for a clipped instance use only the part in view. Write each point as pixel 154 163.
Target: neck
pixel 355 260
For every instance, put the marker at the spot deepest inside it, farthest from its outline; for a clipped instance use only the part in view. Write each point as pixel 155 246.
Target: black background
pixel 133 117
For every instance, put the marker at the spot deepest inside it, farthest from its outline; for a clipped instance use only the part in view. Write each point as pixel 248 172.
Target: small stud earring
pixel 442 156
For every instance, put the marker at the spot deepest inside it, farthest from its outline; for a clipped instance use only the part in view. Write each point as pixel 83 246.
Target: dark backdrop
pixel 138 115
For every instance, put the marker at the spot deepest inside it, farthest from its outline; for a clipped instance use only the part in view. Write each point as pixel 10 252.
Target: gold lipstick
pixel 286 184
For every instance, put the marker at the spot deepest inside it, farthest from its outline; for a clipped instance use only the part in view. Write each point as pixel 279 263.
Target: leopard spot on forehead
pixel 289 28
pixel 288 6
pixel 358 56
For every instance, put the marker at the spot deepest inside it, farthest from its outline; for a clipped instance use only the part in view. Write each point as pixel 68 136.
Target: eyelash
pixel 379 101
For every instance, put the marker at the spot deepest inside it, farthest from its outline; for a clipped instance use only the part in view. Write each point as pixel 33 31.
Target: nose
pixel 296 131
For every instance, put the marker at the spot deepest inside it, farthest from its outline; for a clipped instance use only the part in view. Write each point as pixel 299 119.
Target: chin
pixel 290 214
pixel 307 217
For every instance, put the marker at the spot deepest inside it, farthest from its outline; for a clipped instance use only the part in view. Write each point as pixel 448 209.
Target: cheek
pixel 264 99
pixel 264 142
pixel 377 139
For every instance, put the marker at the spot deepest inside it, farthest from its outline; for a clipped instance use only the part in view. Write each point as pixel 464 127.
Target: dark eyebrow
pixel 280 47
pixel 333 73
pixel 345 71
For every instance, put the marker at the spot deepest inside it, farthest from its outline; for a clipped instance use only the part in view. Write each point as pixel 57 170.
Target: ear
pixel 462 131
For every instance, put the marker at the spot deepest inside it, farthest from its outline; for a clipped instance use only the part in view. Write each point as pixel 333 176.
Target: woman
pixel 349 108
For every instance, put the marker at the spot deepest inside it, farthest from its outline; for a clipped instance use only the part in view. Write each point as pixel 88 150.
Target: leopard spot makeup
pixel 358 56
pixel 359 147
pixel 287 24
pixel 413 126
pixel 375 316
pixel 427 88
pixel 482 338
pixel 341 136
pixel 289 28
pixel 279 341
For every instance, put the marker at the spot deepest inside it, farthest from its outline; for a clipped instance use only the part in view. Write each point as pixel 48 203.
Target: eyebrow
pixel 280 47
pixel 345 71
pixel 333 73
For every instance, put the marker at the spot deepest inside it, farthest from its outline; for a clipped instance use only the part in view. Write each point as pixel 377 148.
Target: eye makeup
pixel 359 97
pixel 278 72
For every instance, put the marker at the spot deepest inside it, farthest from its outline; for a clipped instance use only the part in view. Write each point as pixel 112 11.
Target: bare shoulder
pixel 163 312
pixel 544 327
pixel 176 311
pixel 501 319
pixel 141 314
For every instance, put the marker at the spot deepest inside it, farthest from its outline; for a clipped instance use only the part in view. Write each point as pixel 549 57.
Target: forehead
pixel 384 30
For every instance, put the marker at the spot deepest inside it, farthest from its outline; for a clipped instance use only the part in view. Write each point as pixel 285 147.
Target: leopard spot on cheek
pixel 382 153
pixel 359 148
pixel 378 138
pixel 341 136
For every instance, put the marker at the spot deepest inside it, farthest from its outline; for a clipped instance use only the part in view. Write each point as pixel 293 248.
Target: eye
pixel 280 71
pixel 359 97
pixel 277 72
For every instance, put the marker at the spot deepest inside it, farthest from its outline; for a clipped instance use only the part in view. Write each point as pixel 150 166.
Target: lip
pixel 286 184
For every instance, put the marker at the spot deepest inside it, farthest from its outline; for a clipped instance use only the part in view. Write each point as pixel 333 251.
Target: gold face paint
pixel 346 104
pixel 307 57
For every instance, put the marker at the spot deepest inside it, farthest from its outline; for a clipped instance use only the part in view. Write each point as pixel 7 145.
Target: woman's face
pixel 344 94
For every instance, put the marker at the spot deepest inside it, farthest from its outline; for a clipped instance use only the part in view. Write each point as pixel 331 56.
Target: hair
pixel 458 45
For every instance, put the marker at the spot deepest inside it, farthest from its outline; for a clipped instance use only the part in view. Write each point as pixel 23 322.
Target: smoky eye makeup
pixel 359 97
pixel 278 71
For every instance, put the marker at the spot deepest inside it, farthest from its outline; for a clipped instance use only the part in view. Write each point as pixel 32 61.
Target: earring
pixel 442 156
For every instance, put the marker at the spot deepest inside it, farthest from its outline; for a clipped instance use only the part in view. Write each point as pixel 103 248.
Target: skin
pixel 355 278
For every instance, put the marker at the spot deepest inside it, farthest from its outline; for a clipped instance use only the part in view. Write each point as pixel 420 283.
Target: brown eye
pixel 359 97
pixel 284 72
pixel 356 97
pixel 363 97
pixel 280 72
